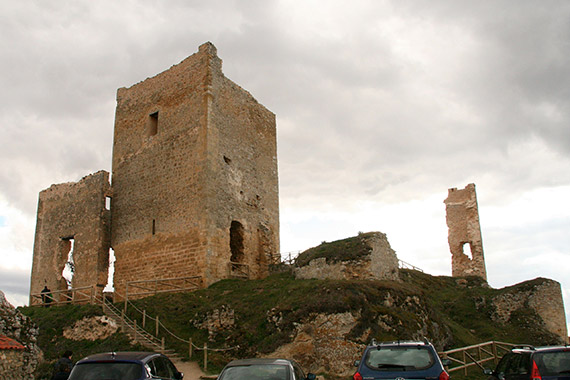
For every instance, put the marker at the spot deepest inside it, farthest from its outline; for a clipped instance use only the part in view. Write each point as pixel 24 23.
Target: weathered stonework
pixel 19 363
pixel 72 211
pixel 380 264
pixel 542 295
pixel 194 187
pixel 91 328
pixel 462 216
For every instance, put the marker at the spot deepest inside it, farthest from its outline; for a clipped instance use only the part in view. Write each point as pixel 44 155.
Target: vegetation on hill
pixel 450 312
pixel 351 248
pixel 53 320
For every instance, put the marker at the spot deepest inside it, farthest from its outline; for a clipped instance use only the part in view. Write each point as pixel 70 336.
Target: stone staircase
pixel 136 333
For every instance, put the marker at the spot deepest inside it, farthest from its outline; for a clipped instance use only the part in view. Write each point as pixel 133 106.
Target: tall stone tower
pixel 462 215
pixel 195 188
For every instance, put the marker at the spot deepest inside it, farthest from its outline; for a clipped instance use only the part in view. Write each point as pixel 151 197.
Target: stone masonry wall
pixel 544 296
pixel 193 152
pixel 242 178
pixel 381 264
pixel 72 210
pixel 18 364
pixel 462 215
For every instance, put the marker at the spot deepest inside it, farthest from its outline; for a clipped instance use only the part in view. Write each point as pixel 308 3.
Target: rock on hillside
pixel 17 326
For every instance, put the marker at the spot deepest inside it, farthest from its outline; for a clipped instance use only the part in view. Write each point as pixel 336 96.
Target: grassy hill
pixel 265 315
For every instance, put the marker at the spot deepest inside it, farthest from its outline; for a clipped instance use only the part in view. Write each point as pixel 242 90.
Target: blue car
pixel 402 360
pixel 125 366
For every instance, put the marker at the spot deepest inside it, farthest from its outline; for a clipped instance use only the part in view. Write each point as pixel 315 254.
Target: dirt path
pixel 191 370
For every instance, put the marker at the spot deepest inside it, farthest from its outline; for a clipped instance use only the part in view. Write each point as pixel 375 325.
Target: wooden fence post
pixel 162 345
pixel 135 330
pixel 205 356
pixel 144 318
pixel 190 349
pixel 126 296
pixel 156 330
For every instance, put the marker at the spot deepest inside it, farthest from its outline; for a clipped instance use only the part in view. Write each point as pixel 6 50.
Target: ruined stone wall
pixel 542 295
pixel 462 216
pixel 72 210
pixel 242 178
pixel 380 264
pixel 18 364
pixel 158 175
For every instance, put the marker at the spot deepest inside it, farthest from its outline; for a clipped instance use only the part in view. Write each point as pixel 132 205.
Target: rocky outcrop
pixel 91 328
pixel 15 325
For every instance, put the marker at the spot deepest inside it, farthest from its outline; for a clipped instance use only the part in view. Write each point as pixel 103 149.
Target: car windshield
pixel 399 358
pixel 106 371
pixel 553 363
pixel 256 372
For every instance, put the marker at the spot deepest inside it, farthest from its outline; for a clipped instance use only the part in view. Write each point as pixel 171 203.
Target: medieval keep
pixel 194 188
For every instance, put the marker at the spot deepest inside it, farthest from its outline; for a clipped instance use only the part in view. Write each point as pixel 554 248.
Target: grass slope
pixel 451 312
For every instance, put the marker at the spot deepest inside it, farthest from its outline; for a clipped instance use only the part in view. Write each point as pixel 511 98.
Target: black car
pixel 400 360
pixel 529 363
pixel 125 366
pixel 264 369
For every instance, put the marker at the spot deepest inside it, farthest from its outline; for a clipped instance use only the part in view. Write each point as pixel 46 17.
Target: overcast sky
pixel 381 107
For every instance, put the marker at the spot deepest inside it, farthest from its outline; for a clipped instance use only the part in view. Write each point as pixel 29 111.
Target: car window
pixel 106 370
pixel 514 364
pixel 159 368
pixel 502 366
pixel 171 368
pixel 553 363
pixel 299 375
pixel 406 358
pixel 256 372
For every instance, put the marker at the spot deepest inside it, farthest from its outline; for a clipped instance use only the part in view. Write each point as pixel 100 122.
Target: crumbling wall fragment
pixel 462 215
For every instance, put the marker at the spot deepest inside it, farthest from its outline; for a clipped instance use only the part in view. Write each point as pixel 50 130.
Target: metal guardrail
pixel 476 355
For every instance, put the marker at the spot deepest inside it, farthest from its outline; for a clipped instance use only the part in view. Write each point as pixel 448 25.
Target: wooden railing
pixel 145 288
pixel 238 270
pixel 476 355
pixel 86 294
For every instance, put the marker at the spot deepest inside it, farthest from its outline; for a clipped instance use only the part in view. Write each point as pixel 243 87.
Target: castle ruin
pixel 194 188
pixel 464 237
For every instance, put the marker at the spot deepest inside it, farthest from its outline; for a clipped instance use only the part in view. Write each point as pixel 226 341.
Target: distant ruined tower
pixel 464 236
pixel 194 188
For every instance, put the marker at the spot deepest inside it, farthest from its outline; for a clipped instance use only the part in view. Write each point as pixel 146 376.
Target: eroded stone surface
pixel 194 188
pixel 465 242
pixel 91 328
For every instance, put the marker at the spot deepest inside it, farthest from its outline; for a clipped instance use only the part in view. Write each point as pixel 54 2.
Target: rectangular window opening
pixel 152 126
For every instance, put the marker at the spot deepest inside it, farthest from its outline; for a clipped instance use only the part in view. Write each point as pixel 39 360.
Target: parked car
pixel 125 366
pixel 529 363
pixel 264 369
pixel 400 360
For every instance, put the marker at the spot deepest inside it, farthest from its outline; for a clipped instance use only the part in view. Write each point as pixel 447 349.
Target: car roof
pixel 405 343
pixel 254 361
pixel 133 356
pixel 529 348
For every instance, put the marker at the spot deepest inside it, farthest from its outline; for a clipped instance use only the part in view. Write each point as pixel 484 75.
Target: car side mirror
pixel 356 363
pixel 446 362
pixel 311 376
pixel 179 376
pixel 487 371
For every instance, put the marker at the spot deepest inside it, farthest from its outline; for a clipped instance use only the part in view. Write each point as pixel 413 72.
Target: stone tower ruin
pixel 464 237
pixel 194 187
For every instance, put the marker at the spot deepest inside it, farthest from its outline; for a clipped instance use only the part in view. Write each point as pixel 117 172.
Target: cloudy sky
pixel 381 107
